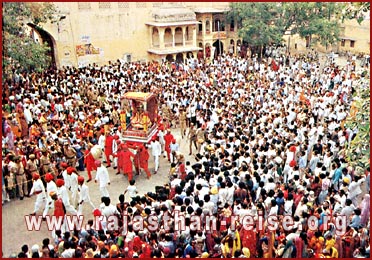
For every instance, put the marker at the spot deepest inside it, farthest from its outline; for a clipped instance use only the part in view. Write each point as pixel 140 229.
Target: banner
pixel 86 49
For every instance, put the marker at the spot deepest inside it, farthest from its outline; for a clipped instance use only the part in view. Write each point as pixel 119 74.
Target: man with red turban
pixel 39 190
pixel 103 178
pixel 115 146
pixel 168 138
pixel 63 193
pixel 51 187
pixel 124 161
pixel 141 160
pixel 71 172
pixel 89 162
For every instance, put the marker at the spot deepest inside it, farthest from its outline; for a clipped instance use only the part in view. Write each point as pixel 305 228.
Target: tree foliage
pixel 259 22
pixel 20 51
pixel 356 10
pixel 358 153
pixel 266 23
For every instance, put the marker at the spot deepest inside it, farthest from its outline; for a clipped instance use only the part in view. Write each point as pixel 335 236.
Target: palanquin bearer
pixel 108 147
pixel 39 190
pixel 51 187
pixel 141 160
pixel 89 162
pixel 63 193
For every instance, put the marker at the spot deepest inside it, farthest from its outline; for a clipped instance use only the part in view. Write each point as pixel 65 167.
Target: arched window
pixel 178 38
pixel 232 25
pixel 155 37
pixel 207 26
pixel 168 38
pixel 200 27
pixel 218 25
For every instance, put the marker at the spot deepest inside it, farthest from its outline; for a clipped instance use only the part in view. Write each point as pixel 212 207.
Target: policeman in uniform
pixel 182 119
pixel 31 168
pixel 115 116
pixel 45 163
pixel 21 179
pixel 70 154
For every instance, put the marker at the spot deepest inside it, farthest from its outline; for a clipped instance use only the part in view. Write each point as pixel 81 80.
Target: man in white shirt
pixel 51 187
pixel 83 195
pixel 174 147
pixel 103 177
pixel 63 193
pixel 73 184
pixel 101 143
pixel 348 210
pixel 156 152
pixel 355 191
pixel 27 114
pixel 39 190
pixel 115 145
pixel 131 189
pixel 108 211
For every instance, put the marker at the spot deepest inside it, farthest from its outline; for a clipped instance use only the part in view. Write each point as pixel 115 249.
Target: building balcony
pixel 173 50
pixel 219 35
pixel 215 35
pixel 188 43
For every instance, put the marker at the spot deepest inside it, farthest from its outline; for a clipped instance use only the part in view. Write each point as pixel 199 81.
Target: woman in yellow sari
pixel 231 243
pixel 43 122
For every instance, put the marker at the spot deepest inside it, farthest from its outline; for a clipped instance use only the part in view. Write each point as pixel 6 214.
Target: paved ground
pixel 15 234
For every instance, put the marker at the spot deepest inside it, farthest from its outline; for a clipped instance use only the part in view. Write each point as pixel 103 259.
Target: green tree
pixel 358 152
pixel 316 20
pixel 259 23
pixel 355 10
pixel 20 51
pixel 266 23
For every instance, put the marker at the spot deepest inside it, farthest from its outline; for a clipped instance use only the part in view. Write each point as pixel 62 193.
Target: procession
pixel 257 140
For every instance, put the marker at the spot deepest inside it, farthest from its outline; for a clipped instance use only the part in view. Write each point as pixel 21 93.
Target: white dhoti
pixel 40 201
pixel 104 191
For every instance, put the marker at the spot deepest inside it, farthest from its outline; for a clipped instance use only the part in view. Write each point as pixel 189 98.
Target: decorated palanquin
pixel 139 116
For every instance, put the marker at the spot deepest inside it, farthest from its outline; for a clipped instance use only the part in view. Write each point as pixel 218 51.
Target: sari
pixel 365 206
pixel 249 240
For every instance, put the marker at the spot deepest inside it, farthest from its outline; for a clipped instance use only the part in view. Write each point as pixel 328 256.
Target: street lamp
pixel 289 33
pixel 219 41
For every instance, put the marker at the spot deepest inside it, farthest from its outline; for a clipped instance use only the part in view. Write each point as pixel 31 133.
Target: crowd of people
pixel 268 137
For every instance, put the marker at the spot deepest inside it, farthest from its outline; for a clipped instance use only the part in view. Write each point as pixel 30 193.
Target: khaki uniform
pixel 193 138
pixel 70 154
pixel 94 96
pixel 200 136
pixel 31 167
pixel 183 123
pixel 90 94
pixel 167 113
pixel 45 165
pixel 115 117
pixel 21 180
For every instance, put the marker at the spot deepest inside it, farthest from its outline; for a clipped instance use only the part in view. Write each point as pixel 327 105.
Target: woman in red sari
pixel 249 239
pixel 348 242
